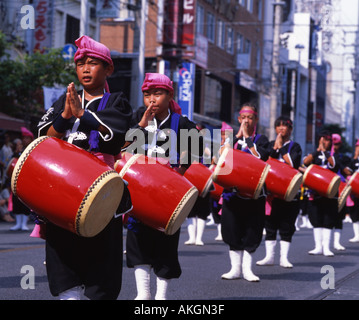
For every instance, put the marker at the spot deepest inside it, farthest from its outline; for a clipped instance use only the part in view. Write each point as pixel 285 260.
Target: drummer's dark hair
pixel 283 120
pixel 326 134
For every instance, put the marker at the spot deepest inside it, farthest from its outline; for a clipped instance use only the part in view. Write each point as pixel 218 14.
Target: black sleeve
pixel 262 146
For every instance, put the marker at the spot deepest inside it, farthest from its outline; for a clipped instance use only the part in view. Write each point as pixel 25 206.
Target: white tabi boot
pixel 356 232
pixel 201 224
pixel 270 251
pixel 162 285
pixel 318 238
pixel 236 262
pixel 336 243
pixel 24 219
pixel 219 233
pixel 191 228
pixel 71 294
pixel 326 242
pixel 284 249
pixel 17 226
pixel 247 268
pixel 143 277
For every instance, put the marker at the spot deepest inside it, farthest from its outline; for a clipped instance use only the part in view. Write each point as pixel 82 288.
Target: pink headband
pixel 91 48
pixel 157 81
pixel 248 111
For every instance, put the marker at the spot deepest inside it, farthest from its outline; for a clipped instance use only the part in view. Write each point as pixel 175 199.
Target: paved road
pixel 202 267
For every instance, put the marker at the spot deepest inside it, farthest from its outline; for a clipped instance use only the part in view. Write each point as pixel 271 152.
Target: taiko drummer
pixel 322 210
pixel 96 121
pixel 243 218
pixel 147 247
pixel 283 214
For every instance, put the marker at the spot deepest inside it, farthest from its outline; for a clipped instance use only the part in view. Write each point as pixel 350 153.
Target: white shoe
pixel 270 250
pixel 326 242
pixel 24 219
pixel 236 261
pixel 191 228
pixel 356 232
pixel 336 244
pixel 219 235
pixel 71 294
pixel 318 239
pixel 17 226
pixel 201 224
pixel 142 276
pixel 284 249
pixel 162 285
pixel 247 268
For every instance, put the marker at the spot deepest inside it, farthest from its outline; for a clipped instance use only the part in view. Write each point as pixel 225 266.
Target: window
pixel 200 20
pixel 240 43
pixel 247 46
pixel 210 27
pixel 220 34
pixel 250 5
pixel 230 40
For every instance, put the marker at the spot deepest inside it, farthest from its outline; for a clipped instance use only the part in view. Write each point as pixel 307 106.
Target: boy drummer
pixel 147 248
pixel 73 261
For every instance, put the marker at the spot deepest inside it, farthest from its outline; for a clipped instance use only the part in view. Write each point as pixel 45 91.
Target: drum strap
pixel 174 156
pixel 94 135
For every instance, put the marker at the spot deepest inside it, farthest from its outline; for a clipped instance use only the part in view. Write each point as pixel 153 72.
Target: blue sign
pixel 68 52
pixel 186 88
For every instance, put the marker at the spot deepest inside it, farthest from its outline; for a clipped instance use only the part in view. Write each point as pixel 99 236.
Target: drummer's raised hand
pixel 278 142
pixel 147 116
pixel 75 101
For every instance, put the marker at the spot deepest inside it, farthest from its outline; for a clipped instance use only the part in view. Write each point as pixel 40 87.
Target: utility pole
pixel 138 62
pixel 84 21
pixel 275 87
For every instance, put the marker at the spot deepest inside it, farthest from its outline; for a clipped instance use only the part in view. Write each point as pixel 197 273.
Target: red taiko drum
pixel 344 192
pixel 323 181
pixel 161 198
pixel 200 176
pixel 240 170
pixel 218 190
pixel 10 167
pixel 354 183
pixel 283 181
pixel 67 185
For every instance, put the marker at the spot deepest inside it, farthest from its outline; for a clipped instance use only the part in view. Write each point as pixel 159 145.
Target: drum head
pixel 293 188
pixel 99 204
pixel 182 211
pixel 333 187
pixel 343 197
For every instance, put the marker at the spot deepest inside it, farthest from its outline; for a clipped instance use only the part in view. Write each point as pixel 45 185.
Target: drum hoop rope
pixel 261 181
pixel 23 159
pixel 294 181
pixel 174 215
pixel 87 195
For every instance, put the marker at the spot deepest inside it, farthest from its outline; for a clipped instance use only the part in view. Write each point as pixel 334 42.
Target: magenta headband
pixel 248 111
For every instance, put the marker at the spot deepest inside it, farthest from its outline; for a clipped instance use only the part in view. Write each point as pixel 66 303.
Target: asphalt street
pixel 202 266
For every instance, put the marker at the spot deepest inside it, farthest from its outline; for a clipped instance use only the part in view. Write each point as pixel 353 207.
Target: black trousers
pixel 354 210
pixel 323 212
pixel 282 219
pixel 243 223
pixel 94 262
pixel 145 245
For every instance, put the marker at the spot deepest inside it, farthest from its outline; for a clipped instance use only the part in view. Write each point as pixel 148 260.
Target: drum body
pixel 323 181
pixel 240 170
pixel 344 192
pixel 201 177
pixel 218 190
pixel 161 198
pixel 354 183
pixel 283 181
pixel 67 185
